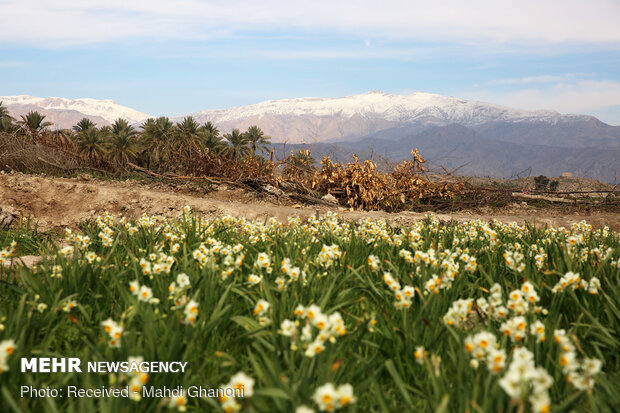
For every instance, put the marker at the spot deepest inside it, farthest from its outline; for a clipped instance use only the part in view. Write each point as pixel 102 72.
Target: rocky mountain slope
pixel 350 117
pixel 480 138
pixel 65 113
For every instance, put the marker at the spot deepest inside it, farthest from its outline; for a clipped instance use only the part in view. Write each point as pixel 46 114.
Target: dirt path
pixel 59 202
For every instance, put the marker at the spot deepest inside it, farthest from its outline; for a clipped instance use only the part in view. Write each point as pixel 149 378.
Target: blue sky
pixel 174 58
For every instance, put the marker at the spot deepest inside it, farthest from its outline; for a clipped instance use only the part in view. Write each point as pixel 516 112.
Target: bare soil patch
pixel 65 202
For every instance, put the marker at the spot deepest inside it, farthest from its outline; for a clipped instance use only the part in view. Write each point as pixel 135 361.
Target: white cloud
pixel 68 22
pixel 580 96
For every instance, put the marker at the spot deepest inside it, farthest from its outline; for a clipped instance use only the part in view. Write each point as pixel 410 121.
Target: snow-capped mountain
pixel 352 117
pixel 418 106
pixel 484 138
pixel 349 117
pixel 58 109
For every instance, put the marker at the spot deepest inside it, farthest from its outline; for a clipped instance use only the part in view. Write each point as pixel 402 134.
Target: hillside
pixel 478 138
pixel 469 152
pixel 65 113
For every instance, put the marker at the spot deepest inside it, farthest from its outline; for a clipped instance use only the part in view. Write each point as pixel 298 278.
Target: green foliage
pixel 340 267
pixel 238 144
pixel 6 120
pixel 299 166
pixel 122 145
pixel 256 139
pixel 213 140
pixel 553 185
pixel 157 140
pixel 83 124
pixel 541 182
pixel 33 124
pixel 91 143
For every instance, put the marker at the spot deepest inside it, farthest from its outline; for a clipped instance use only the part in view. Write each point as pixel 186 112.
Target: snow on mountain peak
pixel 107 109
pixel 415 107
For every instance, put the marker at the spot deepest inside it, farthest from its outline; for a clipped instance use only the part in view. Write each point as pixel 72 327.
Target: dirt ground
pixel 64 202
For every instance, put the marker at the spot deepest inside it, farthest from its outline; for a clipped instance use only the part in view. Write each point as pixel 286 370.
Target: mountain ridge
pixel 376 109
pixel 548 142
pixel 105 109
pixel 465 151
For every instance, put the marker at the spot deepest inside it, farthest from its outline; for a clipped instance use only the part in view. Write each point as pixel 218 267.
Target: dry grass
pixel 363 186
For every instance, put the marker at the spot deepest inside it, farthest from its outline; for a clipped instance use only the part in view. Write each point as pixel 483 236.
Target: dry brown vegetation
pixel 362 186
pixel 189 152
pixel 20 155
pixel 355 184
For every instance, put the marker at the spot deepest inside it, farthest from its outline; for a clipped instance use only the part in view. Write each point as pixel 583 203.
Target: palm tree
pixel 122 147
pixel 91 144
pixel 83 124
pixel 63 138
pixel 4 111
pixel 299 165
pixel 6 120
pixel 122 143
pixel 257 139
pixel 33 124
pixel 6 125
pixel 157 136
pixel 212 140
pixel 121 125
pixel 190 137
pixel 238 147
pixel 209 127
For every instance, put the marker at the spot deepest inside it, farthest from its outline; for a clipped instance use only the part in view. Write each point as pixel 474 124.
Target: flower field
pixel 323 315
